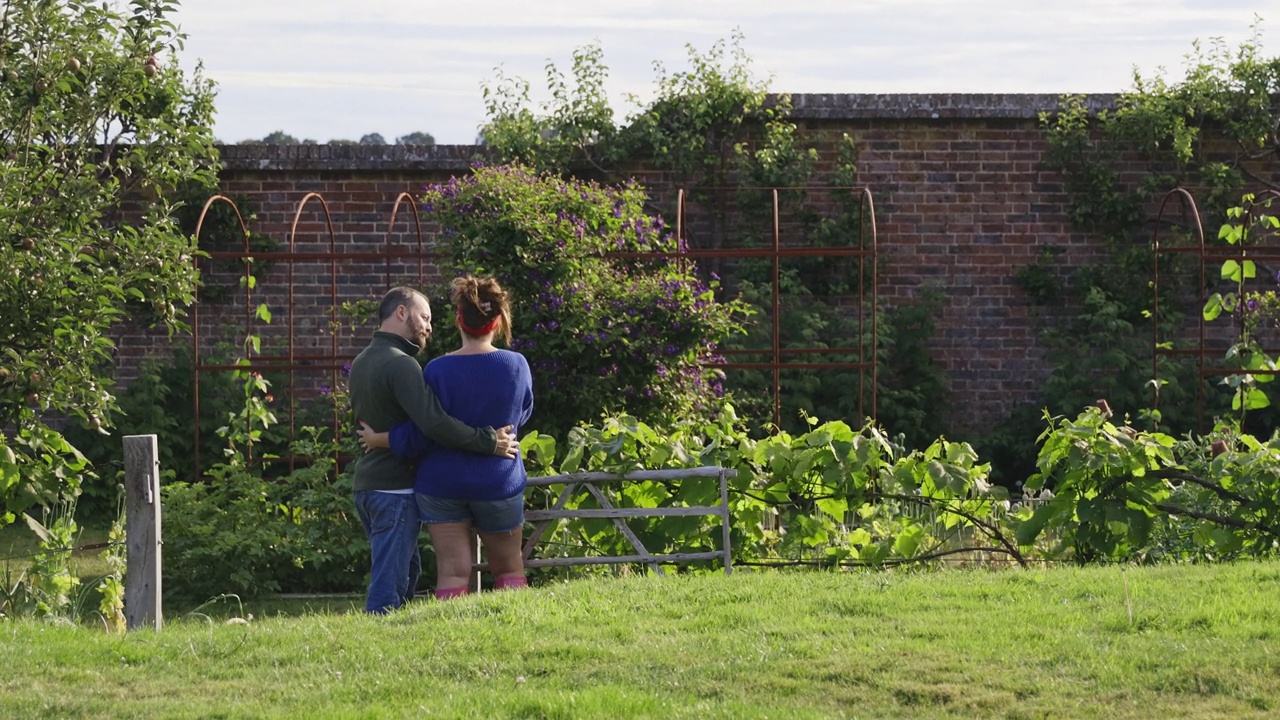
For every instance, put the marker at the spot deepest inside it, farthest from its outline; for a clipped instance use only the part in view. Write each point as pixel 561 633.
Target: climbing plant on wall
pixel 715 130
pixel 1211 130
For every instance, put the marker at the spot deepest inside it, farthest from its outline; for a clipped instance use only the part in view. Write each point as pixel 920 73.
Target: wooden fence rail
pixel 589 483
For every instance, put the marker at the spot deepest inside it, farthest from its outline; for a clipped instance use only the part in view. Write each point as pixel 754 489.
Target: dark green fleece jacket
pixel 386 388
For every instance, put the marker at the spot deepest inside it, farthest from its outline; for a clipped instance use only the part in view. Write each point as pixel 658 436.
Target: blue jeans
pixel 391 523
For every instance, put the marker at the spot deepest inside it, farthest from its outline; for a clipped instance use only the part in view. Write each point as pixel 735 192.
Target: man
pixel 386 387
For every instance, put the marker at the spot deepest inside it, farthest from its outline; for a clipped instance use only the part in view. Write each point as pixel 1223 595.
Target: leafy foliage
pixel 695 125
pixel 94 112
pixel 1252 301
pixel 1112 485
pixel 161 402
pixel 246 530
pixel 602 333
pixel 1204 131
pixel 830 496
pixel 714 126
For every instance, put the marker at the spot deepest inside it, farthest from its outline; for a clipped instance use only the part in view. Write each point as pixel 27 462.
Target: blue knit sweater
pixel 492 389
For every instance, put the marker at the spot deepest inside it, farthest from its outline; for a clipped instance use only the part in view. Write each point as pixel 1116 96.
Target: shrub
pixel 602 332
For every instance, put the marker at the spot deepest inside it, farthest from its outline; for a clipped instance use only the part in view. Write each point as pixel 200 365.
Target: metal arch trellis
pixel 865 250
pixel 292 361
pixel 1204 254
pixel 1191 216
pixel 779 359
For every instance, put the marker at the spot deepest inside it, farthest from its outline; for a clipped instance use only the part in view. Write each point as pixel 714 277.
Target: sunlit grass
pixel 18 544
pixel 1192 641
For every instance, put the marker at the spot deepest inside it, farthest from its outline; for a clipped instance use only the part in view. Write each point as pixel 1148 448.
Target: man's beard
pixel 421 334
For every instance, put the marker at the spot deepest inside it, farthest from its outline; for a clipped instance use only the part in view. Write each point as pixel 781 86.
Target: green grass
pixel 1202 643
pixel 18 543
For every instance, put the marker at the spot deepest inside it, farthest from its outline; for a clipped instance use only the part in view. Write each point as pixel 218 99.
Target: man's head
pixel 406 312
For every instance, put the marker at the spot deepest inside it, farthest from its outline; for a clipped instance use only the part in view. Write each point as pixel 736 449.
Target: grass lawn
pixel 1202 643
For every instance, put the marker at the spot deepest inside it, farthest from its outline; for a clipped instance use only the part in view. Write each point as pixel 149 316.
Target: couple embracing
pixel 433 456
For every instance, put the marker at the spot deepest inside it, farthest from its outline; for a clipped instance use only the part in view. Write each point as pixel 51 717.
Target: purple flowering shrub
pixel 609 318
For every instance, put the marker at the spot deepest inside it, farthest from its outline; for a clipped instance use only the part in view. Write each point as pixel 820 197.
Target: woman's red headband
pixel 484 329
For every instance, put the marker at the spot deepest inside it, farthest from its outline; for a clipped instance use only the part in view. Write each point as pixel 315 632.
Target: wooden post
pixel 142 532
pixel 725 532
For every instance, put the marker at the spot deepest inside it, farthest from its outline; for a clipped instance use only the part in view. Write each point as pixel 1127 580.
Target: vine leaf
pixel 1213 307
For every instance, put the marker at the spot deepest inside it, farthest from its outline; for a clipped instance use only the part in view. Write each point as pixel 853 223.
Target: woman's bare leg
pixel 505 559
pixel 452 542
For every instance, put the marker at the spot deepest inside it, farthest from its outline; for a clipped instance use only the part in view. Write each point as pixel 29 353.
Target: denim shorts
pixel 487 516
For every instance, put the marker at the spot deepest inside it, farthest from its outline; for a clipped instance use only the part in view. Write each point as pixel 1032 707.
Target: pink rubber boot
pixel 451 593
pixel 510 582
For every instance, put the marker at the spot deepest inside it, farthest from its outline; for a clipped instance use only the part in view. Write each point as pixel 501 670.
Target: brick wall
pixel 960 196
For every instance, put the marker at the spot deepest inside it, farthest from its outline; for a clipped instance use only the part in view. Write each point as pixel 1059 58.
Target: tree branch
pixel 992 531
pixel 1176 474
pixel 1219 519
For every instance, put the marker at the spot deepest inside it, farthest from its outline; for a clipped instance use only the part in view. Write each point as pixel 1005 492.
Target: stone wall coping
pixel 935 106
pixel 806 106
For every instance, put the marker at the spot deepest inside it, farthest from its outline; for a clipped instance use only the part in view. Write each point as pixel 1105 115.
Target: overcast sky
pixel 327 69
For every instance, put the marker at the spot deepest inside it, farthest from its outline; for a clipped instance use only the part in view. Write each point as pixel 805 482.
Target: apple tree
pixel 98 124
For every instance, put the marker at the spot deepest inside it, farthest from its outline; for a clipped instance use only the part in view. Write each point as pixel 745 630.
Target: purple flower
pixel 346 369
pixel 325 390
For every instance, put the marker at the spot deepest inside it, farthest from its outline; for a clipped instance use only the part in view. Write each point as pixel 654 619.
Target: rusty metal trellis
pixel 292 362
pixel 868 297
pixel 1204 254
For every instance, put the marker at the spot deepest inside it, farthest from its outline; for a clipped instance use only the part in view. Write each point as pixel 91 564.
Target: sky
pixel 340 69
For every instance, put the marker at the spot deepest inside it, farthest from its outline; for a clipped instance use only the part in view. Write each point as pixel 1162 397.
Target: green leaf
pixel 1028 530
pixel 835 507
pixel 1260 361
pixel 818 438
pixel 859 537
pixel 1212 307
pixel 811 531
pixel 1139 528
pixel 659 455
pixel 1231 271
pixel 572 460
pixel 1225 540
pixel 1256 399
pixel 9 477
pixel 40 530
pixel 908 541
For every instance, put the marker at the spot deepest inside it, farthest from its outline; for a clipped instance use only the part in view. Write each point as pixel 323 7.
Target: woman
pixel 458 491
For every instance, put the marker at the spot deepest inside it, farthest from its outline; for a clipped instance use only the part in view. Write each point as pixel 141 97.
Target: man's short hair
pixel 396 297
